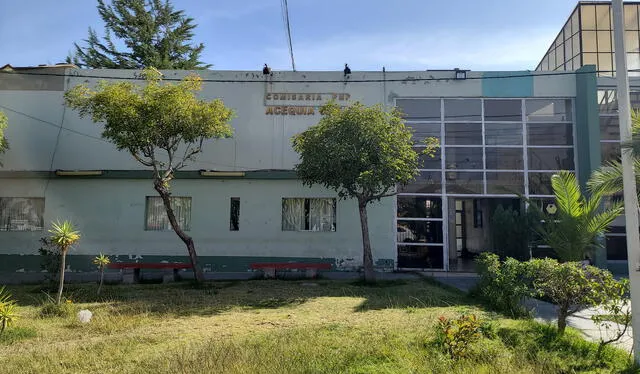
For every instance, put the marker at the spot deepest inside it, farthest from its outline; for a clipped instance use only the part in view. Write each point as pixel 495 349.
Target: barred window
pixel 156 218
pixel 314 214
pixel 21 213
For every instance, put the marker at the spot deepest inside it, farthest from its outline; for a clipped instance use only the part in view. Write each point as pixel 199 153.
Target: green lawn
pixel 278 327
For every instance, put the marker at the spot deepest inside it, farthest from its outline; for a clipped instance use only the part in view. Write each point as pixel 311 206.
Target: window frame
pixel 146 214
pixel 307 213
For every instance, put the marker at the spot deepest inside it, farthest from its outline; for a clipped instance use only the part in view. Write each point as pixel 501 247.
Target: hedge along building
pixel 503 134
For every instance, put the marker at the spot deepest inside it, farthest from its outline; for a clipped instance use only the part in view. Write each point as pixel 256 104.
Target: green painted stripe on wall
pixel 82 263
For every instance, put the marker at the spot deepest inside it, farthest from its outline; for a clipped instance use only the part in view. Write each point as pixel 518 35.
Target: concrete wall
pixel 111 216
pixel 46 136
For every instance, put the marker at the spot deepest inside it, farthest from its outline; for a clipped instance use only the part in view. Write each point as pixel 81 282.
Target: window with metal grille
pixel 21 213
pixel 315 214
pixel 156 214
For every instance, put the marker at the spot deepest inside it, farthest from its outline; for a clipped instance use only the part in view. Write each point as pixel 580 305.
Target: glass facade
pixel 587 39
pixel 489 148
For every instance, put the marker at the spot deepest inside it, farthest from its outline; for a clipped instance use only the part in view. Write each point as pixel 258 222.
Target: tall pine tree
pixel 153 35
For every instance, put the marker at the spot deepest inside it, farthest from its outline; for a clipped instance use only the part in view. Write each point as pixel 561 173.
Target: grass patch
pixel 15 334
pixel 280 326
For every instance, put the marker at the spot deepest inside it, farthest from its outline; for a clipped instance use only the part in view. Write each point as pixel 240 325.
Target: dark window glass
pixel 503 133
pixel 463 158
pixel 502 110
pixel 549 134
pixel 609 128
pixel 234 214
pixel 616 247
pixel 551 159
pixel 456 110
pixel 463 134
pixel 540 184
pixel 419 231
pixel 421 256
pixel 464 182
pixel 588 17
pixel 504 158
pixel 548 110
pixel 425 182
pixel 420 109
pixel 630 17
pixel 610 152
pixel 635 99
pixel 428 162
pixel 419 207
pixel 421 131
pixel 505 183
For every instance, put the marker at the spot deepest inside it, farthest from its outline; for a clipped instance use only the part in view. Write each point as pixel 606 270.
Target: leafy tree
pixel 101 262
pixel 153 33
pixel 607 180
pixel 63 235
pixel 4 144
pixel 163 126
pixel 571 286
pixel 362 153
pixel 574 230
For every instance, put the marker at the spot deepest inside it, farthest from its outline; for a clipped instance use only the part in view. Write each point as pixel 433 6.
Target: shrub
pixel 51 308
pixel 8 310
pixel 615 315
pixel 511 232
pixel 503 285
pixel 572 286
pixel 456 335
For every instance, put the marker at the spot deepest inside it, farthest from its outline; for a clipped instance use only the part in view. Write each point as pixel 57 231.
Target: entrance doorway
pixel 470 231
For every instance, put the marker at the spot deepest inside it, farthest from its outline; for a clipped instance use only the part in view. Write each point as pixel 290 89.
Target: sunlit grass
pixel 277 327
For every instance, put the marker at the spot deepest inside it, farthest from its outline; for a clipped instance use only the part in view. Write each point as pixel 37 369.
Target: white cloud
pixel 426 49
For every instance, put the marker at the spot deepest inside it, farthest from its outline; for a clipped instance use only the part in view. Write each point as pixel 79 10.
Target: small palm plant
pixel 573 230
pixel 63 236
pixel 101 262
pixel 8 309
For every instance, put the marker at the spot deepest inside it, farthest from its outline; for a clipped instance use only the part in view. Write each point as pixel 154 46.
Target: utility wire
pixel 285 16
pixel 406 80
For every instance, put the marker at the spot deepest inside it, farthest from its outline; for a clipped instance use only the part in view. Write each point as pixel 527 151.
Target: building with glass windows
pixel 502 134
pixel 587 39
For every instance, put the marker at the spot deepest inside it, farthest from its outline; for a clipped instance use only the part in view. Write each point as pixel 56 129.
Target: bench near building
pixel 503 134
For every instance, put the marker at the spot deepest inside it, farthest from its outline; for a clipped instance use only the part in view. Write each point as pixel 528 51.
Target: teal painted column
pixel 588 134
pixel 587 123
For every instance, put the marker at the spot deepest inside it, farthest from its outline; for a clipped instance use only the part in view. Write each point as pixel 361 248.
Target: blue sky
pixel 368 34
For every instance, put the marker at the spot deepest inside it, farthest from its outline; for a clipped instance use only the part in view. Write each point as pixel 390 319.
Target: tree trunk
pixel 101 279
pixel 367 258
pixel 188 241
pixel 63 254
pixel 562 319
